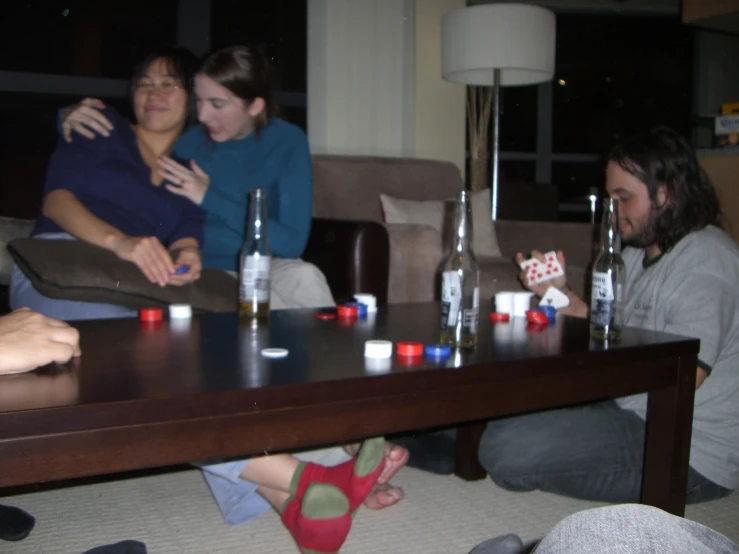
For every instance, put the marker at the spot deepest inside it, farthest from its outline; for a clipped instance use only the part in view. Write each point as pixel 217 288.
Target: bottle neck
pixel 610 236
pixel 462 227
pixel 257 224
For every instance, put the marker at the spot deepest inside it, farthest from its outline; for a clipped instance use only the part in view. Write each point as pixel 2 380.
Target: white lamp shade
pixel 518 39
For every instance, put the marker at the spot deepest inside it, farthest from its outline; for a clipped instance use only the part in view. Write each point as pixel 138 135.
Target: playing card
pixel 538 272
pixel 555 298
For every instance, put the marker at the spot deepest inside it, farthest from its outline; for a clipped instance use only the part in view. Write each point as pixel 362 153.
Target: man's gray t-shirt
pixel 693 290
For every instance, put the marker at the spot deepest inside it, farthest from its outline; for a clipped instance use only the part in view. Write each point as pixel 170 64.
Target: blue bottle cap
pixel 550 311
pixel 361 308
pixel 438 351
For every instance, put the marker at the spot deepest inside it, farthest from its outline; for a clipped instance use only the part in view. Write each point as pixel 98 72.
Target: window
pixel 85 37
pixel 618 75
pixel 518 118
pixel 278 28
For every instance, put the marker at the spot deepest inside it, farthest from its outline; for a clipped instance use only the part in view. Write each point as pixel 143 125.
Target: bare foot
pixel 395 458
pixel 382 496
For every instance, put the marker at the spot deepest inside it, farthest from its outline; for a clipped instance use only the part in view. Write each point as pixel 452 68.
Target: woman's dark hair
pixel 245 73
pixel 658 157
pixel 181 64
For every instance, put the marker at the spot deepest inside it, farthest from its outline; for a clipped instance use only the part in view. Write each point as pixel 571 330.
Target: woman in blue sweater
pixel 242 144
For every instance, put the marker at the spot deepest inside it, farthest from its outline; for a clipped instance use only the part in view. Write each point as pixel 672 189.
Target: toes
pixel 383 496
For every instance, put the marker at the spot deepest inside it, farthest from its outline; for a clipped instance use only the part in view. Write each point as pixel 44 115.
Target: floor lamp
pixel 498 45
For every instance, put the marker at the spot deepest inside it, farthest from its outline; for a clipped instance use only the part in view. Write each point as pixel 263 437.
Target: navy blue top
pixel 111 179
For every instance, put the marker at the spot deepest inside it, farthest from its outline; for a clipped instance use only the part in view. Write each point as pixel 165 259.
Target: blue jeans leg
pixel 592 451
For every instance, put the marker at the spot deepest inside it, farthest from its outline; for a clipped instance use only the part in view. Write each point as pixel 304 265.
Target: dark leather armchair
pixel 353 255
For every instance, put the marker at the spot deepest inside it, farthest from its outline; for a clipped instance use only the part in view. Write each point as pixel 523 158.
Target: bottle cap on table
pixel 361 308
pixel 274 352
pixel 409 349
pixel 180 311
pixel 535 316
pixel 499 317
pixel 550 312
pixel 347 311
pixel 326 315
pixel 368 300
pixel 438 351
pixel 378 349
pixel 150 314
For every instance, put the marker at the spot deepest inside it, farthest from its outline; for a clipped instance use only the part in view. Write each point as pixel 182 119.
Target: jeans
pixel 623 529
pixel 632 529
pixel 592 451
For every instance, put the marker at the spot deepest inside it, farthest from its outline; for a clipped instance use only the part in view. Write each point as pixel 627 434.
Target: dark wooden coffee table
pixel 150 397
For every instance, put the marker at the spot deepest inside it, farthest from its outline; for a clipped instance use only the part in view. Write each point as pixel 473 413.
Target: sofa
pixel 359 251
pixel 349 188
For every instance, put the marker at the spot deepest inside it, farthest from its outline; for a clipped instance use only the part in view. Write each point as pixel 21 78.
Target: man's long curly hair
pixel 658 157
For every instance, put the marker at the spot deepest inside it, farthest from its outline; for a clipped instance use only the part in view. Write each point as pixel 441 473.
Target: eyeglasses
pixel 164 88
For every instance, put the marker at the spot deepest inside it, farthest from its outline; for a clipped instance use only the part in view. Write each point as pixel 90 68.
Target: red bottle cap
pixel 535 316
pixel 409 349
pixel 347 311
pixel 499 317
pixel 150 314
pixel 325 315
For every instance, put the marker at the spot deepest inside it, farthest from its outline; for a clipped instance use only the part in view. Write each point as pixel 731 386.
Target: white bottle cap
pixel 275 352
pixel 378 349
pixel 368 300
pixel 180 311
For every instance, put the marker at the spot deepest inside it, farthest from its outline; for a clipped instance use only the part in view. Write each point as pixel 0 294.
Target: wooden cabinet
pixel 723 169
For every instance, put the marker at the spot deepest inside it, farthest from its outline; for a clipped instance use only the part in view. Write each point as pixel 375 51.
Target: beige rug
pixel 174 513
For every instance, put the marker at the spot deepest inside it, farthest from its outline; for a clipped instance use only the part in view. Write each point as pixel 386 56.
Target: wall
pixel 439 106
pixel 374 80
pixel 715 77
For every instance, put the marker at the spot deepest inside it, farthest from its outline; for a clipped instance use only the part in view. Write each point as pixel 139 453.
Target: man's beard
pixel 647 235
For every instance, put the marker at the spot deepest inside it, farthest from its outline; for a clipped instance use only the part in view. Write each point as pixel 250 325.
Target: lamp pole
pixel 496 143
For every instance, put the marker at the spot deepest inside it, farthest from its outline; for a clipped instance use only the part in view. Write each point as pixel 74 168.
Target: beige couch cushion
pixel 439 215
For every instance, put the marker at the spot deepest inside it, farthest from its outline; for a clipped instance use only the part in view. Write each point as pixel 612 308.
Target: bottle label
pixel 601 307
pixel 451 297
pixel 602 286
pixel 255 279
pixel 470 317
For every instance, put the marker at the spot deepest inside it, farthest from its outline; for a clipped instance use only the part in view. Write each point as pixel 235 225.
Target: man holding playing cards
pixel 682 277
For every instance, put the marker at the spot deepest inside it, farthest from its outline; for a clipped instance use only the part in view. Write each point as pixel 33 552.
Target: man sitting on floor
pixel 682 277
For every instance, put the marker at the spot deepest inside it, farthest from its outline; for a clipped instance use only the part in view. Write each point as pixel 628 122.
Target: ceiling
pixel 626 7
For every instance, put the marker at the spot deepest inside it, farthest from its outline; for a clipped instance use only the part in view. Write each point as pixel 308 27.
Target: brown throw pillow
pixel 77 270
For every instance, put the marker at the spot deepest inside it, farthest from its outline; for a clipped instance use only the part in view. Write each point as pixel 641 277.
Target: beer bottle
pixel 255 261
pixel 609 277
pixel 460 281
